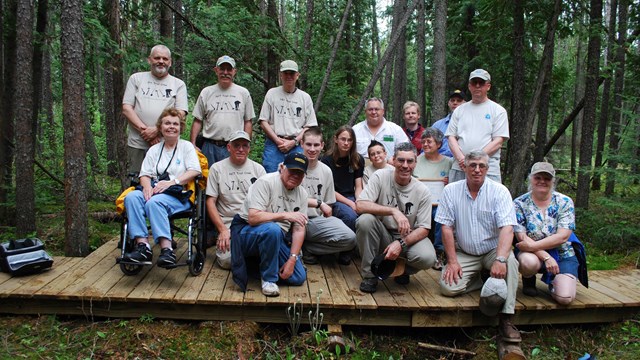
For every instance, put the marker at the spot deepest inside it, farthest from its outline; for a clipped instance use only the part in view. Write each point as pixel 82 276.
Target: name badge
pixel 387 138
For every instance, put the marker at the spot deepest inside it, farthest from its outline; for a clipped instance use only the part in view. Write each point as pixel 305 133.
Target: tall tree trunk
pixel 381 64
pixel 25 194
pixel 178 35
pixel 75 187
pixel 543 111
pixel 271 59
pixel 385 94
pixel 306 44
pixel 606 94
pixel 334 51
pixel 400 69
pixel 590 101
pixel 470 46
pixel 519 142
pixel 6 116
pixel 47 98
pixel 439 73
pixel 165 21
pixel 618 88
pixel 578 94
pixel 38 58
pixel 519 156
pixel 421 95
pixel 375 38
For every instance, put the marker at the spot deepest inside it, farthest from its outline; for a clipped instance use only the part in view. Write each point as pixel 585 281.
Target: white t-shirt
pixel 223 111
pixel 149 96
pixel 319 185
pixel 475 125
pixel 269 194
pixel 389 134
pixel 414 199
pixel 229 184
pixel 176 163
pixel 288 113
pixel 370 169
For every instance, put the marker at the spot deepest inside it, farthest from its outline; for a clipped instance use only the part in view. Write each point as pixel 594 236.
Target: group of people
pixel 363 196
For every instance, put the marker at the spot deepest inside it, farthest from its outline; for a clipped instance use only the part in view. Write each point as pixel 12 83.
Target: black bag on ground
pixel 24 257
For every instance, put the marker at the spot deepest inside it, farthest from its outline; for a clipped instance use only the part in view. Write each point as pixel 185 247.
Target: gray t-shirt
pixel 414 199
pixel 229 184
pixel 426 169
pixel 223 111
pixel 319 184
pixel 269 194
pixel 370 169
pixel 288 113
pixel 149 96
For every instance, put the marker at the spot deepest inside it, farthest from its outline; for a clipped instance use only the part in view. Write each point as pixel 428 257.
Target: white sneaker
pixel 270 289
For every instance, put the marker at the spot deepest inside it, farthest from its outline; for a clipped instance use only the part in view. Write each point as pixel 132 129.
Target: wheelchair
pixel 195 231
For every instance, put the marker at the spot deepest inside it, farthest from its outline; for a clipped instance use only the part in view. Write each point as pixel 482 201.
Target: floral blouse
pixel 541 224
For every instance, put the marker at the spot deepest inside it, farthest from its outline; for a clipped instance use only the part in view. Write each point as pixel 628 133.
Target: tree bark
pixel 178 36
pixel 578 94
pixel 439 74
pixel 400 70
pixel 385 58
pixel 75 188
pixel 25 193
pixel 334 51
pixel 591 99
pixel 39 46
pixel 519 142
pixel 618 88
pixel 606 94
pixel 165 21
pixel 543 111
pixel 306 45
pixel 375 38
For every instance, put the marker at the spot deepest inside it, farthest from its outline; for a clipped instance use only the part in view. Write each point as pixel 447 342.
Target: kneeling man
pixel 395 219
pixel 271 226
pixel 481 213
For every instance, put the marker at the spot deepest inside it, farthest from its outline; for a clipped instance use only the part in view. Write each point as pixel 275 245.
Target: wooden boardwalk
pixel 95 286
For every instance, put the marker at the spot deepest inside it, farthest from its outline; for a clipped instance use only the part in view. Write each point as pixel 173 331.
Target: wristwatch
pixel 296 141
pixel 501 259
pixel 294 256
pixel 177 181
pixel 319 203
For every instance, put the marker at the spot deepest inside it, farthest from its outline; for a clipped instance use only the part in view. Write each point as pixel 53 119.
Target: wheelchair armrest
pixel 134 178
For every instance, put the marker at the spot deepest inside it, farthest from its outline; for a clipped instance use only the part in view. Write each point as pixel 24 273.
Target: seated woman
pixel 378 157
pixel 546 221
pixel 167 166
pixel 347 167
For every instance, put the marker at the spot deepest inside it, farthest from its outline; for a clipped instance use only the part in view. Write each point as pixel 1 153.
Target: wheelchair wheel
pixel 197 264
pixel 129 269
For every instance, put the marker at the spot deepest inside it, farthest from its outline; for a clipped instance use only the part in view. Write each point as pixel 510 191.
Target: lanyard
pixel 170 160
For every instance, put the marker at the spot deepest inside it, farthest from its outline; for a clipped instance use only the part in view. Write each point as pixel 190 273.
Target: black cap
pixel 382 268
pixel 296 161
pixel 458 93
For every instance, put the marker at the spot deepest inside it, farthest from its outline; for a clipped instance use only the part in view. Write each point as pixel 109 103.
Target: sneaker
pixel 508 331
pixel 403 279
pixel 437 266
pixel 344 258
pixel 167 258
pixel 309 259
pixel 529 286
pixel 369 285
pixel 270 289
pixel 141 254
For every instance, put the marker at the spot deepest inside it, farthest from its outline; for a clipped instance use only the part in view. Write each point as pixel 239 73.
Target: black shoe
pixel 167 258
pixel 403 279
pixel 309 259
pixel 529 286
pixel 141 254
pixel 344 258
pixel 369 285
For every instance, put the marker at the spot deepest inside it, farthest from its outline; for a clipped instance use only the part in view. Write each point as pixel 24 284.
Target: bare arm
pixel 297 238
pixel 257 217
pixel 370 207
pixel 458 155
pixel 148 133
pixel 493 146
pixel 196 127
pixel 248 127
pixel 343 199
pixel 224 235
pixel 453 270
pixel 358 187
pixel 505 239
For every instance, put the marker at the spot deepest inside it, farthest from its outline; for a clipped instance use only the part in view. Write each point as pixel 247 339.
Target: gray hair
pixel 374 99
pixel 476 155
pixel 405 146
pixel 433 133
pixel 159 47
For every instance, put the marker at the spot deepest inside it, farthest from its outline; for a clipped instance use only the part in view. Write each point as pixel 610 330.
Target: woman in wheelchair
pixel 167 166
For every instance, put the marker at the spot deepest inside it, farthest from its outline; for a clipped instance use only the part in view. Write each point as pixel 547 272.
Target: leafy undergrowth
pixel 51 337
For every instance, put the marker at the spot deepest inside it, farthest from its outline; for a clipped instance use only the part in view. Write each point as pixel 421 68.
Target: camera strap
pixel 170 160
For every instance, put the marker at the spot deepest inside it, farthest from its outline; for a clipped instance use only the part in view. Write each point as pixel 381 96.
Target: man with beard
pixel 221 110
pixel 146 96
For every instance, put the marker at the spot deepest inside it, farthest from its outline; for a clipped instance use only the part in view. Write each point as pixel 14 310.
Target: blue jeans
pixel 213 152
pixel 345 213
pixel 272 157
pixel 157 209
pixel 268 241
pixel 437 231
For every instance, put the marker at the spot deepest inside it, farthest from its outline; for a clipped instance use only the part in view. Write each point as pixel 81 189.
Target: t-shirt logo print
pixel 407 208
pixel 237 103
pixel 487 116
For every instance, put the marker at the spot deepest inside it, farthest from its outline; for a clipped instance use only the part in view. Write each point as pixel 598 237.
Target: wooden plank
pixel 194 285
pixel 214 286
pixel 152 279
pixel 603 283
pixel 382 297
pixel 401 294
pixel 316 281
pixel 460 302
pixel 426 291
pixel 37 281
pixel 85 264
pixel 624 281
pixel 626 300
pixel 85 280
pixel 253 296
pixel 127 284
pixel 362 300
pixel 167 289
pixel 338 288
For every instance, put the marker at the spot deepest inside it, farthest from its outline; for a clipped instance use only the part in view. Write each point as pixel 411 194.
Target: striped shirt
pixel 476 222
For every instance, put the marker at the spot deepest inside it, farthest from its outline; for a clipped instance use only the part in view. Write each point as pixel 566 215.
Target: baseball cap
pixel 458 93
pixel 381 267
pixel 493 296
pixel 543 167
pixel 480 73
pixel 239 134
pixel 296 161
pixel 226 59
pixel 288 65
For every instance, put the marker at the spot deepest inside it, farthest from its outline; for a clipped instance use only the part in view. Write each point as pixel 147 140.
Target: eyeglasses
pixel 477 82
pixel 240 146
pixel 374 109
pixel 482 166
pixel 343 139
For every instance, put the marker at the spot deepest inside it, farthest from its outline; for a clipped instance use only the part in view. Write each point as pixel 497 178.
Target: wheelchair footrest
pixel 123 261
